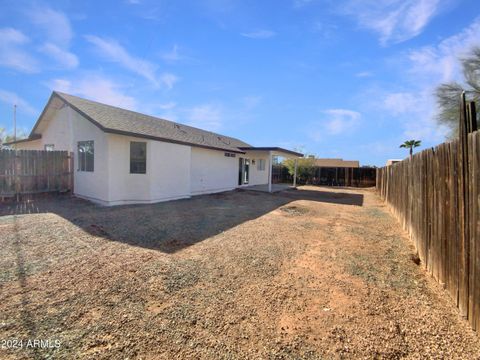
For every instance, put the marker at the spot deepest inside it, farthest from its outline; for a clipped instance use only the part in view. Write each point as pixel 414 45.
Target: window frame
pixel 260 163
pixel 83 158
pixel 138 160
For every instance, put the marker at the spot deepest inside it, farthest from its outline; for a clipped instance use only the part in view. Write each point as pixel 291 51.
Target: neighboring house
pixel 124 157
pixel 392 161
pixel 337 163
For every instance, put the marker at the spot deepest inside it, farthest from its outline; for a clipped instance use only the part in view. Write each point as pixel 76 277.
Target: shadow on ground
pixel 172 226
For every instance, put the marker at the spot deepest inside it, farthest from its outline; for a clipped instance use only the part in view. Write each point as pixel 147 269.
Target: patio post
pixel 295 174
pixel 270 172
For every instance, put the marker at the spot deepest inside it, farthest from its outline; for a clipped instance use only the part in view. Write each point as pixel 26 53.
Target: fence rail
pixel 30 171
pixel 436 197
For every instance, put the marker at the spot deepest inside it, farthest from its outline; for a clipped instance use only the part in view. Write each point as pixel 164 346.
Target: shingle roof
pixel 116 120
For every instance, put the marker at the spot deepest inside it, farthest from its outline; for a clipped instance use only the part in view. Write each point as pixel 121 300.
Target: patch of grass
pixel 294 210
pixel 376 213
pixel 381 269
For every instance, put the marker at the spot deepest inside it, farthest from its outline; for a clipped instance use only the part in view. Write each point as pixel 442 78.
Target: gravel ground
pixel 307 274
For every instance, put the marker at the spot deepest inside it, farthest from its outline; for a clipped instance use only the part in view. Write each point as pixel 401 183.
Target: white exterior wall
pixel 212 171
pixel 257 177
pixel 58 131
pixel 91 185
pixel 167 176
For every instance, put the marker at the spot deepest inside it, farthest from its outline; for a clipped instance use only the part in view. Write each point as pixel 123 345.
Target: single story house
pixel 124 157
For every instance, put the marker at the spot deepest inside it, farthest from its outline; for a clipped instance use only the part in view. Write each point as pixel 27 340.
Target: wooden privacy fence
pixel 436 197
pixel 31 171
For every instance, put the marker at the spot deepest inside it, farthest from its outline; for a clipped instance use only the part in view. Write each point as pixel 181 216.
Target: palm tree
pixel 448 95
pixel 410 144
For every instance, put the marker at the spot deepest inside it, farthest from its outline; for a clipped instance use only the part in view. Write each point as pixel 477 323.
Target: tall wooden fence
pixel 436 197
pixel 31 171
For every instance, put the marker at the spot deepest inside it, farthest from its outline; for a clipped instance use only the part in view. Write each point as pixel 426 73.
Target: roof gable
pixel 112 119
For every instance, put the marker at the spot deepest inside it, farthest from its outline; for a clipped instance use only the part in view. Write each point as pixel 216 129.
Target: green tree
pixel 305 168
pixel 411 144
pixel 5 137
pixel 448 95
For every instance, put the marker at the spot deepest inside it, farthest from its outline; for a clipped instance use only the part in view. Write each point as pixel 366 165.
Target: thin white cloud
pixel 364 74
pixel 414 110
pixel 111 50
pixel 334 122
pixel 259 34
pixel 411 102
pixel 172 55
pixel 427 67
pixel 440 63
pixel 341 121
pixel 206 116
pixel 63 57
pixel 167 106
pixel 394 20
pixel 58 34
pixel 324 29
pixel 55 24
pixel 12 52
pixel 169 80
pixel 12 98
pixel 97 88
pixel 401 102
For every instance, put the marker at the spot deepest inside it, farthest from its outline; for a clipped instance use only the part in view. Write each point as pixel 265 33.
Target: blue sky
pixel 349 79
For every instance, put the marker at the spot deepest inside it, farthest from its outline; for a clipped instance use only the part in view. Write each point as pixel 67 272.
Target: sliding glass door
pixel 243 171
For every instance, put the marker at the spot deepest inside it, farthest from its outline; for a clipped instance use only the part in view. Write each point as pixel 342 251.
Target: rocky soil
pixel 316 273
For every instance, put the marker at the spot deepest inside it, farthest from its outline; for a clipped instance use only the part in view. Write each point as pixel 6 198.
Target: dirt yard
pixel 313 273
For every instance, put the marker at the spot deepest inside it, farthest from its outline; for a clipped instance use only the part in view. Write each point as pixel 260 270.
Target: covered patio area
pixel 274 157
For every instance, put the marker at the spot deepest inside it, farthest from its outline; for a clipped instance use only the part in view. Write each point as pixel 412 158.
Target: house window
pixel 261 165
pixel 138 157
pixel 49 147
pixel 85 155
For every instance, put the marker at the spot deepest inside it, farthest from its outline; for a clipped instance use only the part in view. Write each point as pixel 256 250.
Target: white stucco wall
pixel 58 131
pixel 167 176
pixel 257 177
pixel 212 171
pixel 91 185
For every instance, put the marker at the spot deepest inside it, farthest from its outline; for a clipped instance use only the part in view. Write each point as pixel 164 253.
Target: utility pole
pixel 15 123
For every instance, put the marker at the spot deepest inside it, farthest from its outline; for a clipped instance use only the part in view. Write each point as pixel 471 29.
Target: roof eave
pixel 273 148
pixel 30 138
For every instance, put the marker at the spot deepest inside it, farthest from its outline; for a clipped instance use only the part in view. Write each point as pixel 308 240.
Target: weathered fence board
pixel 31 171
pixel 436 197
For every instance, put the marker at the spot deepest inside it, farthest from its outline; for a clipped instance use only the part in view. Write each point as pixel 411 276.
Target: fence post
pixel 463 208
pixel 72 174
pixel 17 178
